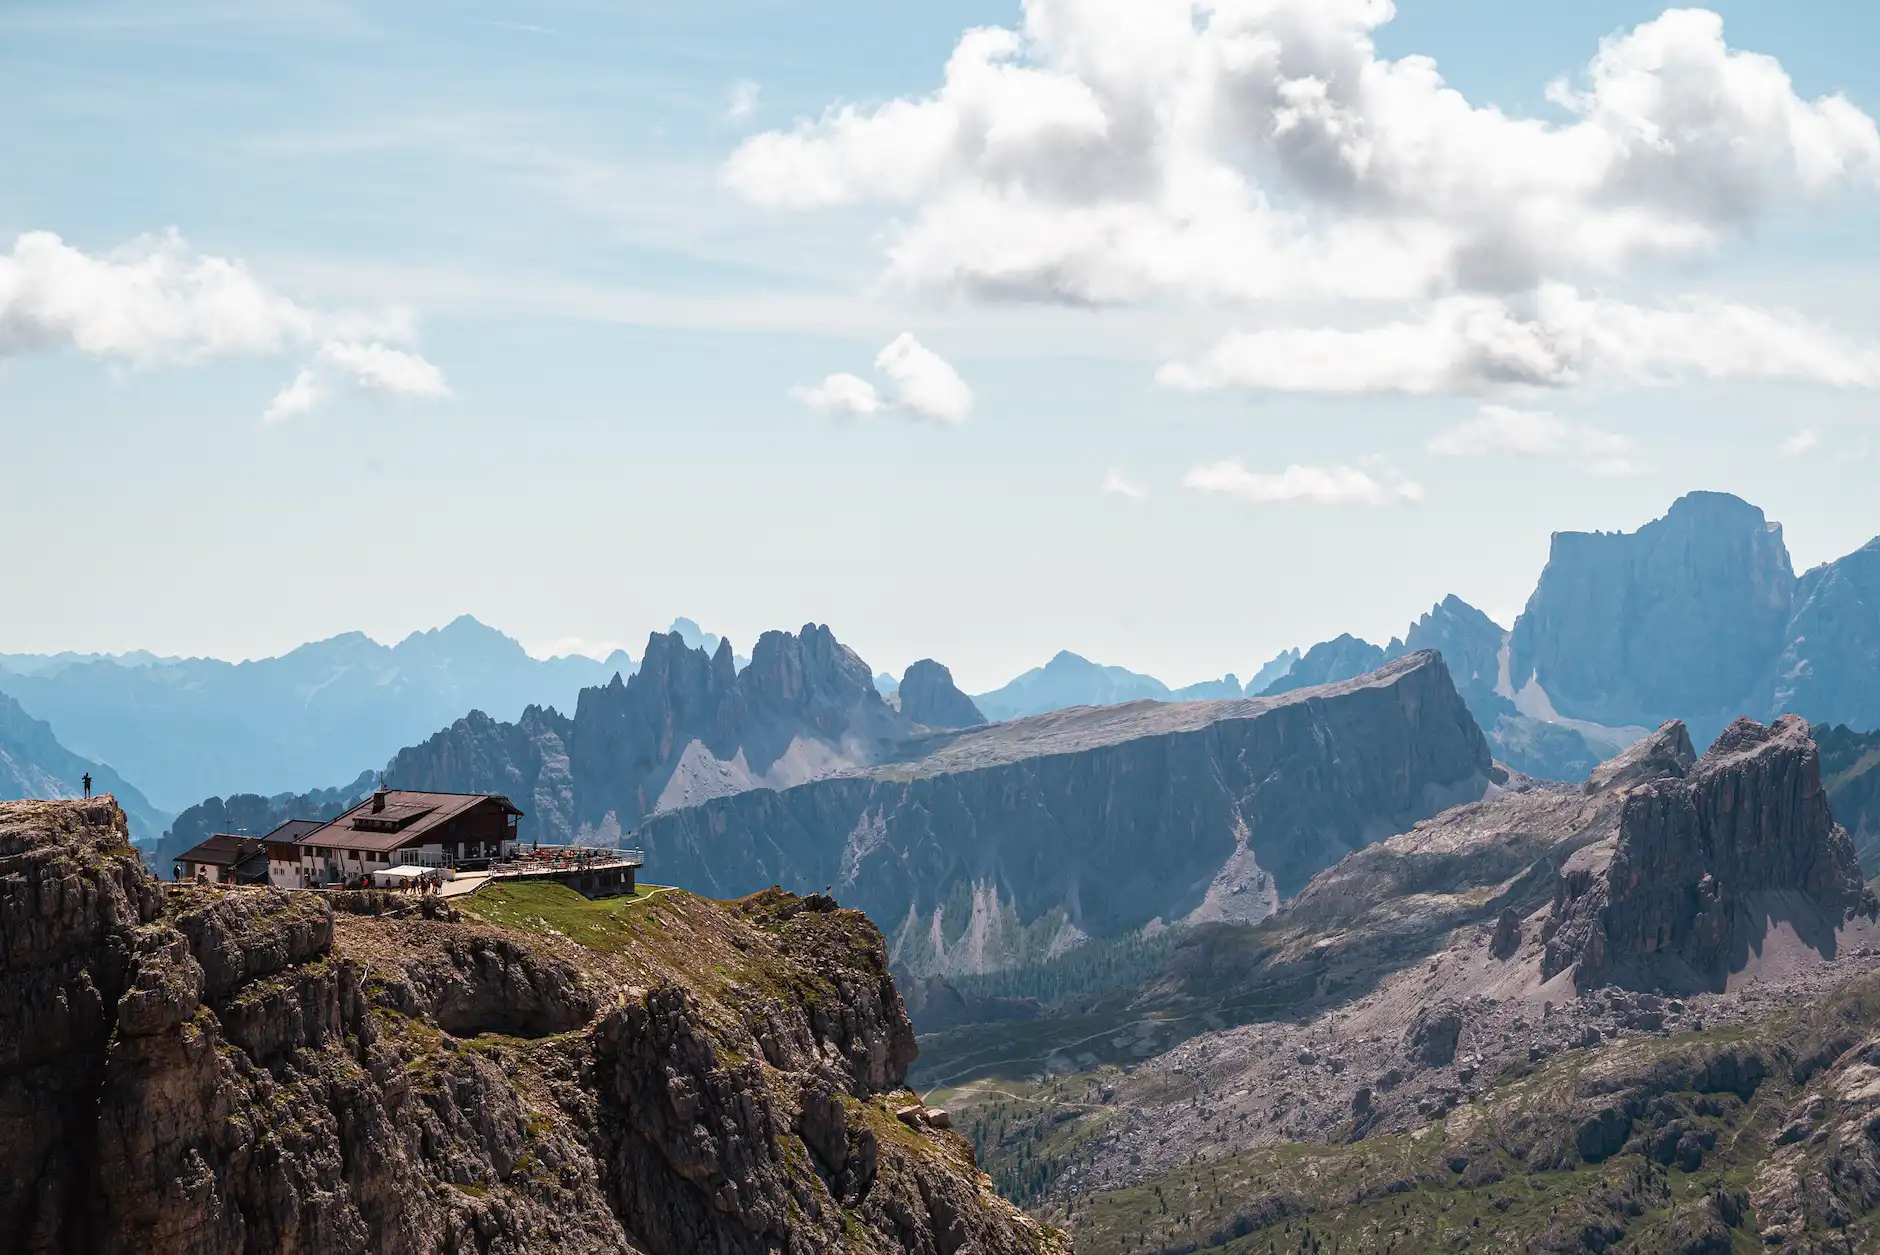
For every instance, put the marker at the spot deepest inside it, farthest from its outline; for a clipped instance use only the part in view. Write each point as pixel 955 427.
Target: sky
pixel 1173 335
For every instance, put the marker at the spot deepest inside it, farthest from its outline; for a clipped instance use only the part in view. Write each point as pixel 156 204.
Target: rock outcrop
pixel 34 764
pixel 187 1071
pixel 1021 841
pixel 930 698
pixel 1701 865
pixel 1681 619
pixel 685 728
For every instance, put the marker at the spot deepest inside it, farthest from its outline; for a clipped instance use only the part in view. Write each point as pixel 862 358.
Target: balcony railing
pixel 564 860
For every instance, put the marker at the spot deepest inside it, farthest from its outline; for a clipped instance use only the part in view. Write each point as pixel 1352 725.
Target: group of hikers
pixel 427 882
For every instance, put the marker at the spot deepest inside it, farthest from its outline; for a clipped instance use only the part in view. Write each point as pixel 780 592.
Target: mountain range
pixel 1073 680
pixel 1020 842
pixel 684 728
pixel 183 729
pixel 1696 616
pixel 1635 1014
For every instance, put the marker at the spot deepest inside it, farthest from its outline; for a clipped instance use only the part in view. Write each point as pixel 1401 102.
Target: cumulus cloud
pixel 1257 148
pixel 373 369
pixel 1376 485
pixel 156 302
pixel 925 385
pixel 1261 152
pixel 1118 484
pixel 302 396
pixel 843 395
pixel 1499 431
pixel 1554 338
pixel 742 105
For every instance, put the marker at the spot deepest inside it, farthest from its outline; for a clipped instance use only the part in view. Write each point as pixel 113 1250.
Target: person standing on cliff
pixel 87 783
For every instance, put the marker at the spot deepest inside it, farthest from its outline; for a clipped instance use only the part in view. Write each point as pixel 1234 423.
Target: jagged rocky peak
pixel 1681 618
pixel 1341 658
pixel 929 696
pixel 1705 864
pixel 811 675
pixel 1666 753
pixel 207 1071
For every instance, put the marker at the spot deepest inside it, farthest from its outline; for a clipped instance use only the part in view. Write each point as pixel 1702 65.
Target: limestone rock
pixel 1677 897
pixel 685 728
pixel 929 697
pixel 1433 1035
pixel 1090 823
pixel 1507 936
pixel 1681 619
pixel 194 1071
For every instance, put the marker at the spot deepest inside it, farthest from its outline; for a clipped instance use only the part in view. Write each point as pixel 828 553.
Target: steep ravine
pixel 185 1070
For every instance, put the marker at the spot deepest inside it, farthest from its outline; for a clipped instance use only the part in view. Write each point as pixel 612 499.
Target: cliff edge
pixel 191 1070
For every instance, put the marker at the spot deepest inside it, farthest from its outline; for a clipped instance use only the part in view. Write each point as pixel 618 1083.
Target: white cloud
pixel 1554 338
pixel 383 370
pixel 302 396
pixel 742 106
pixel 156 302
pixel 1802 442
pixel 843 394
pixel 150 302
pixel 1261 148
pixel 1499 431
pixel 1321 485
pixel 925 385
pixel 373 369
pixel 1118 484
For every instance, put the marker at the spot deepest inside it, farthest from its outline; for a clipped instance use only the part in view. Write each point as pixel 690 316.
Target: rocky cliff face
pixel 1019 842
pixel 1829 670
pixel 185 1070
pixel 686 727
pixel 526 761
pixel 929 697
pixel 1401 1061
pixel 1850 772
pixel 1681 619
pixel 1702 865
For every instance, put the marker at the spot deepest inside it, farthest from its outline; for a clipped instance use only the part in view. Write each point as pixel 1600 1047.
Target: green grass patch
pixel 547 909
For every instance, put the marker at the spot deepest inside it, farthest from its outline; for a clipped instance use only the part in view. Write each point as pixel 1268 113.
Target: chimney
pixel 378 799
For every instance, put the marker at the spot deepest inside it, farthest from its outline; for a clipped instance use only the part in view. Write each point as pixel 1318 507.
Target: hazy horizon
pixel 978 331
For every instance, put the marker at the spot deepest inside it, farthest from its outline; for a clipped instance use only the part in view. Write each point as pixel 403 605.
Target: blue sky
pixel 539 203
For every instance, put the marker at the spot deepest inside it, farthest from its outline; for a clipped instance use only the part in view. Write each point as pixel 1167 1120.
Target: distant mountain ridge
pixel 185 729
pixel 1073 680
pixel 1697 616
pixel 686 727
pixel 248 814
pixel 1019 842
